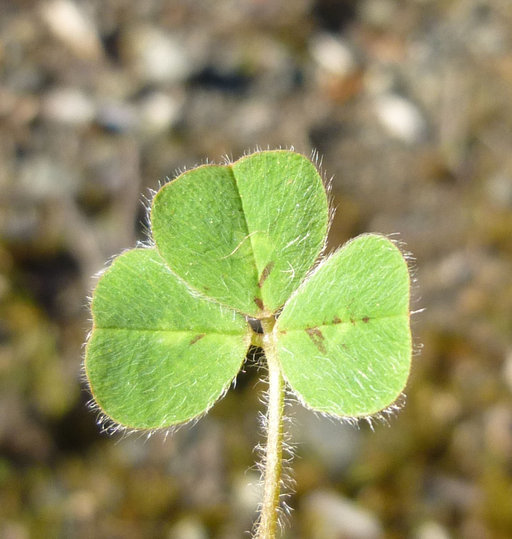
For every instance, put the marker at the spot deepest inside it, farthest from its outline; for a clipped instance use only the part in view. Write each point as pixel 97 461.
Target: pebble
pixel 68 106
pixel 17 109
pixel 379 13
pixel 117 116
pixel 81 505
pixel 42 177
pixel 400 117
pixel 336 444
pixel 157 56
pixel 14 530
pixel 454 493
pixel 337 517
pixel 188 528
pixel 247 492
pixel 456 269
pixel 67 22
pixel 5 286
pixel 499 189
pixel 332 54
pixel 431 530
pixel 159 111
pixel 498 431
pixel 507 370
pixel 253 119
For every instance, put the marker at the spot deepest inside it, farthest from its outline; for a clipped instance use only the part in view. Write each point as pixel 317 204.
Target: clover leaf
pixel 171 322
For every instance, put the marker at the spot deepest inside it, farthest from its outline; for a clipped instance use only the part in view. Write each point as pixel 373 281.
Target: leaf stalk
pixel 273 461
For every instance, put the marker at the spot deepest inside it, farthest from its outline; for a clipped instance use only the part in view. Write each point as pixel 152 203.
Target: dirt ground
pixel 409 104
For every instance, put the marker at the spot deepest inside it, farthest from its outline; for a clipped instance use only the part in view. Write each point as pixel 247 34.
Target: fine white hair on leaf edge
pixel 111 427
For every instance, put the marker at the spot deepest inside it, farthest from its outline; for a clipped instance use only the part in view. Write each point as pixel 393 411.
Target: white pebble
pixel 339 517
pixel 507 370
pixel 157 57
pixel 431 530
pixel 68 106
pixel 400 117
pixel 499 188
pixel 69 23
pixel 188 528
pixel 118 115
pixel 332 54
pixel 159 111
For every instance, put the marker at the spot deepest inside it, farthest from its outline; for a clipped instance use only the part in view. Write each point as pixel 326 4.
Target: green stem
pixel 274 451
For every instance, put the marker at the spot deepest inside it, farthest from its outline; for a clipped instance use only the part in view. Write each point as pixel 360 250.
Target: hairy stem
pixel 274 451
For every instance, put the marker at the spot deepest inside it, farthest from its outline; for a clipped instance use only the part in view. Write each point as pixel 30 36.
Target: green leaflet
pixel 343 339
pixel 244 234
pixel 158 355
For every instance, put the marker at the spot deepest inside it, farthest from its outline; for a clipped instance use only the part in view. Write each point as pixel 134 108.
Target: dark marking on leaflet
pixel 197 338
pixel 318 339
pixel 265 273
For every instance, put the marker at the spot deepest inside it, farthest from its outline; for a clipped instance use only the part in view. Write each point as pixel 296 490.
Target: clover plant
pixel 233 243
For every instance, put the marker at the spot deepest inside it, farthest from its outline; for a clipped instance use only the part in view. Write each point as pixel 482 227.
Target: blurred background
pixel 409 103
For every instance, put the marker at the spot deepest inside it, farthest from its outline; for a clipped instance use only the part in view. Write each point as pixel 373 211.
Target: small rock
pixel 157 57
pixel 445 407
pixel 159 111
pixel 81 505
pixel 247 493
pixel 5 286
pixel 41 177
pixel 68 106
pixel 17 109
pixel 455 270
pixel 253 118
pixel 498 431
pixel 499 189
pixel 14 530
pixel 453 493
pixel 336 444
pixel 431 530
pixel 117 116
pixel 332 516
pixel 400 117
pixel 507 370
pixel 188 528
pixel 333 55
pixel 20 224
pixel 68 23
pixel 488 39
pixel 379 13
